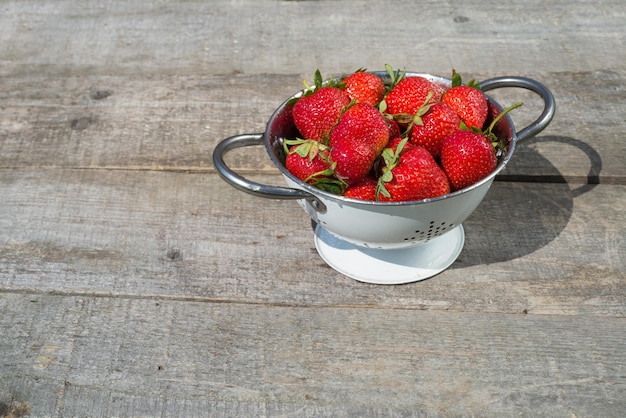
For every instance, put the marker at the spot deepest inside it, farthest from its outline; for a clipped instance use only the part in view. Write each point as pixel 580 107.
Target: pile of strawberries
pixel 409 139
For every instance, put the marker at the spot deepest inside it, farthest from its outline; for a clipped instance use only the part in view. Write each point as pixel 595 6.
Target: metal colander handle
pixel 245 185
pixel 529 84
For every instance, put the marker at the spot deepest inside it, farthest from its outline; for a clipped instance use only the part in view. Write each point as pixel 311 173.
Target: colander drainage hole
pixel 433 231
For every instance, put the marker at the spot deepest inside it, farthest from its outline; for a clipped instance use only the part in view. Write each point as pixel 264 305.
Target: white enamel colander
pixel 384 242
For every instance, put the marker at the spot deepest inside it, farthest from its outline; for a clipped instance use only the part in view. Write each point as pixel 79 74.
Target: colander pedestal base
pixel 397 266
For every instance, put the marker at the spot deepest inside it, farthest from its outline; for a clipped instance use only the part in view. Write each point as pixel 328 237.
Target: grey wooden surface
pixel 135 282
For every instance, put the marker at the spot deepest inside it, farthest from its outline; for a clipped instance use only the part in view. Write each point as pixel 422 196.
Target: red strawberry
pixel 468 101
pixel 353 160
pixel 363 87
pixel 410 174
pixel 409 95
pixel 470 156
pixel 394 128
pixel 363 190
pixel 308 160
pixel 430 129
pixel 356 141
pixel 361 122
pixel 467 157
pixel 315 114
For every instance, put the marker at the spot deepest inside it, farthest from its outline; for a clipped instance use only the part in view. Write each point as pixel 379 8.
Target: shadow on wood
pixel 510 230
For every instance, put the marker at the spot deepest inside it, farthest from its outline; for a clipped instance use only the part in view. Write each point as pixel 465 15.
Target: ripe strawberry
pixel 308 160
pixel 363 123
pixel 353 160
pixel 394 128
pixel 467 157
pixel 468 101
pixel 406 97
pixel 470 156
pixel 363 87
pixel 363 190
pixel 315 115
pixel 356 141
pixel 410 174
pixel 433 126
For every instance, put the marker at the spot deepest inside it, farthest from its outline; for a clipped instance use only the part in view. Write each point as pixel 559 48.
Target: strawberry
pixel 467 157
pixel 409 94
pixel 310 162
pixel 317 111
pixel 356 141
pixel 308 159
pixel 468 101
pixel 353 160
pixel 470 156
pixel 363 190
pixel 410 174
pixel 363 87
pixel 394 128
pixel 429 129
pixel 364 123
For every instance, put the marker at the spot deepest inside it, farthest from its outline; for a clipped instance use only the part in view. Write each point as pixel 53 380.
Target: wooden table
pixel 135 282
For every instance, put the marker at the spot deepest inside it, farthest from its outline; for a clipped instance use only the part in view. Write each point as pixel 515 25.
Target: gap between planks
pixel 231 301
pixel 511 178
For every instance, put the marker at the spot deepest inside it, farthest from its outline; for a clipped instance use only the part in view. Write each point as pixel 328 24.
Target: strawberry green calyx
pixel 311 150
pixel 308 89
pixel 391 159
pixel 417 119
pixel 323 181
pixel 458 81
pixel 395 77
pixel 473 83
pixel 318 82
pixel 305 148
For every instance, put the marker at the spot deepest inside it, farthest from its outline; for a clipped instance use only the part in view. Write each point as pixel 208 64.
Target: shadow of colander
pixel 541 208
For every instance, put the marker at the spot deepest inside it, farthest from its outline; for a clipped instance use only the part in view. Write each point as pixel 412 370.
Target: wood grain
pixel 176 235
pixel 228 359
pixel 135 282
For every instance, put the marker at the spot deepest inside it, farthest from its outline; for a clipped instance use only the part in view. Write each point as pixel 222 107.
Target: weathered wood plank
pixel 174 123
pixel 151 357
pixel 269 36
pixel 543 248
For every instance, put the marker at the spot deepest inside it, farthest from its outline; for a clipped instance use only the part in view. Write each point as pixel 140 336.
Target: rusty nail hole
pixel 100 94
pixel 81 123
pixel 174 254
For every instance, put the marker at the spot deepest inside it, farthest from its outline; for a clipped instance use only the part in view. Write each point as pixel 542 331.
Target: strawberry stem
pixel 501 115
